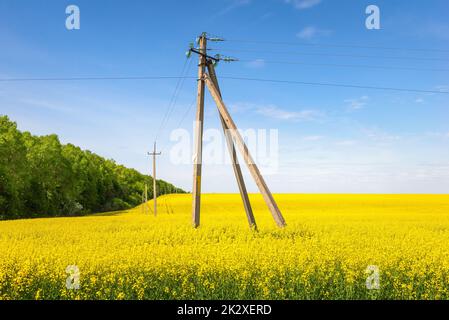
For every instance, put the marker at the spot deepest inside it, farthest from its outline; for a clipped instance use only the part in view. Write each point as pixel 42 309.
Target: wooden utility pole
pixel 233 154
pixel 254 170
pixel 232 136
pixel 154 154
pixel 197 156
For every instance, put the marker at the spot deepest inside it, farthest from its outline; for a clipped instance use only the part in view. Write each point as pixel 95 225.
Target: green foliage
pixel 41 177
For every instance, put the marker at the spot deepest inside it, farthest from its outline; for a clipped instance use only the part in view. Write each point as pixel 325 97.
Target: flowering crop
pixel 323 253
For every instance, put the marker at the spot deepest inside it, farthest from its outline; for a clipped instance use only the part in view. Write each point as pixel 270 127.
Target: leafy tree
pixel 41 177
pixel 12 169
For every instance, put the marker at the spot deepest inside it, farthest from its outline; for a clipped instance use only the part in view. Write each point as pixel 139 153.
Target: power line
pixel 177 95
pixel 345 65
pixel 235 78
pixel 332 54
pixel 187 112
pixel 333 45
pixel 183 118
pixel 95 78
pixel 173 98
pixel 333 85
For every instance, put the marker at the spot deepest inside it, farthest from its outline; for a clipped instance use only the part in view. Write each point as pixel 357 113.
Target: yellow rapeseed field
pixel 323 253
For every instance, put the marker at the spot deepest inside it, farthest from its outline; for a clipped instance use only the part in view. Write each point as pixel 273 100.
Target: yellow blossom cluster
pixel 322 253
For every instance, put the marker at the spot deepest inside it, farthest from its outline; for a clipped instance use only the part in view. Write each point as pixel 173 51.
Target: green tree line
pixel 39 177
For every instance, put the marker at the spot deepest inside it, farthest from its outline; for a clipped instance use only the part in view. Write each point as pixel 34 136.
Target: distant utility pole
pixel 154 154
pixel 143 202
pixel 145 198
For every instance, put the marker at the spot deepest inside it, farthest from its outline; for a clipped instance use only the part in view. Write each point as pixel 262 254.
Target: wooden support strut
pixel 254 170
pixel 197 156
pixel 233 154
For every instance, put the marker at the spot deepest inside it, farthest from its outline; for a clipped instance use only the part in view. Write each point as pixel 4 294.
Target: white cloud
pixel 419 100
pixel 444 135
pixel 303 4
pixel 45 104
pixel 275 112
pixel 378 135
pixel 240 107
pixel 346 143
pixel 312 138
pixel 235 4
pixel 442 88
pixel 312 32
pixel 437 30
pixel 256 64
pixel 357 103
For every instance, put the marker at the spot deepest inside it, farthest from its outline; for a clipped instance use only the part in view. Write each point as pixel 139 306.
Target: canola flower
pixel 323 253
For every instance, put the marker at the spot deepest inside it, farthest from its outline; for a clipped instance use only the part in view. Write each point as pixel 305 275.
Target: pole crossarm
pixel 204 54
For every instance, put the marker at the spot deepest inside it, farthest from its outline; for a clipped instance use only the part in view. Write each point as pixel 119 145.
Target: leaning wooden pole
pixel 254 170
pixel 197 155
pixel 233 154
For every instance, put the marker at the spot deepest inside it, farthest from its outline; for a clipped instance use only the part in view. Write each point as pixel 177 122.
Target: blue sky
pixel 331 139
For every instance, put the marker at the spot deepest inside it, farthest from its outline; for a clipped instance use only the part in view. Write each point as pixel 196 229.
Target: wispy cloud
pixel 437 30
pixel 346 143
pixel 275 112
pixel 312 138
pixel 266 16
pixel 45 104
pixel 240 107
pixel 444 135
pixel 233 5
pixel 303 4
pixel 442 88
pixel 256 64
pixel 378 135
pixel 419 100
pixel 357 103
pixel 312 32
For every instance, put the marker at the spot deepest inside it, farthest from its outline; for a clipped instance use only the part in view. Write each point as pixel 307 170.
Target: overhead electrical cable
pixel 315 54
pixel 343 65
pixel 242 79
pixel 332 45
